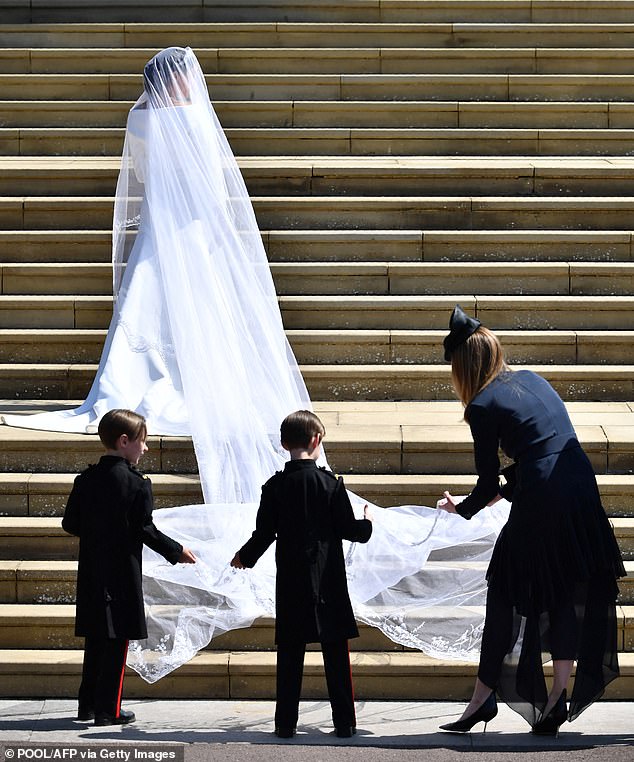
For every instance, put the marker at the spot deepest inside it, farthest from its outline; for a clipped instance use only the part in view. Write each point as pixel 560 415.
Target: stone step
pixel 38 178
pixel 360 278
pixel 44 539
pixel 407 347
pixel 357 347
pixel 410 245
pixel 36 539
pixel 77 246
pixel 565 279
pixel 342 141
pixel 409 212
pixel 345 382
pixel 268 34
pixel 355 212
pixel 52 585
pixel 590 313
pixel 385 446
pixel 45 494
pixel 542 115
pixel 539 11
pixel 70 246
pixel 336 87
pixel 412 382
pixel 404 675
pixel 418 312
pixel 617 490
pixel 50 624
pixel 340 60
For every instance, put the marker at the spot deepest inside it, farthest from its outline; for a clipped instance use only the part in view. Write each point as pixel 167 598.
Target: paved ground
pixel 241 731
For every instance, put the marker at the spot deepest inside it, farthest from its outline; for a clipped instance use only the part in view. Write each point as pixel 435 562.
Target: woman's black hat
pixel 461 326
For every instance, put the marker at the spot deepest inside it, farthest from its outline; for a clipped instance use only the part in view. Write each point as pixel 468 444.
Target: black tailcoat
pixel 110 510
pixel 307 509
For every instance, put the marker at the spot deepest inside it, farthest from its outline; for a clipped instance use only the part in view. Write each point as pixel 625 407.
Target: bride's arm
pixel 136 131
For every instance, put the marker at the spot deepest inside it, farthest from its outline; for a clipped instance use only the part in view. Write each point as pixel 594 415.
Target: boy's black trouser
pixel 102 675
pixel 290 667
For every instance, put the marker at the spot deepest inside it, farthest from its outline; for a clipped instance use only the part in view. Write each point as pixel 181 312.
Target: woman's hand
pixel 187 557
pixel 367 513
pixel 236 563
pixel 447 503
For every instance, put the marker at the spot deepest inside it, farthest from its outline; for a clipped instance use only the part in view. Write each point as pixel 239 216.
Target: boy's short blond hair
pixel 299 428
pixel 117 422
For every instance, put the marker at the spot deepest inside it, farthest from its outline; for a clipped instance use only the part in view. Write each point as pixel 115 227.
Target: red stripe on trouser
pixel 125 656
pixel 351 683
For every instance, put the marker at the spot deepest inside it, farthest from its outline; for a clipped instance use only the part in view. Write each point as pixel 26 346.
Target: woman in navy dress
pixel 552 577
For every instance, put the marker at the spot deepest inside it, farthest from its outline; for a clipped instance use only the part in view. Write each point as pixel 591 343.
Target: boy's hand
pixel 367 513
pixel 237 563
pixel 187 557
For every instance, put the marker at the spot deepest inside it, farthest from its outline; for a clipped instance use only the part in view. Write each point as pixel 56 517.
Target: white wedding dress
pixel 197 346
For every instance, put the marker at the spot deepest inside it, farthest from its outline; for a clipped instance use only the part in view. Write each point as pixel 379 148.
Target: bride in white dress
pixel 197 346
pixel 196 343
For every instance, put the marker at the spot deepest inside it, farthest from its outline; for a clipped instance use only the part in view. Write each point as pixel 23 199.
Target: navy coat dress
pixel 558 546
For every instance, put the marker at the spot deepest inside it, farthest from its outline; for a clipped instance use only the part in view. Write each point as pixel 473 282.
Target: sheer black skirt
pixel 553 572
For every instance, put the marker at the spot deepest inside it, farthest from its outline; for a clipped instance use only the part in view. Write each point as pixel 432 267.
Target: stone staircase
pixel 402 156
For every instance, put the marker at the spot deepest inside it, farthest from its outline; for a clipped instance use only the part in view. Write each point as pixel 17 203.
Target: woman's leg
pixel 496 641
pixel 481 693
pixel 562 669
pixel 563 645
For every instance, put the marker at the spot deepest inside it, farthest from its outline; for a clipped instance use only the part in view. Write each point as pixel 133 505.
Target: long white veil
pixel 197 345
pixel 219 317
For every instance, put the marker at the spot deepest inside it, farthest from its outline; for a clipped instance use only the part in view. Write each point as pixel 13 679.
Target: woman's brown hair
pixel 475 363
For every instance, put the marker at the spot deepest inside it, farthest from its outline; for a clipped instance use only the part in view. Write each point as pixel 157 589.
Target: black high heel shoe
pixel 484 713
pixel 549 725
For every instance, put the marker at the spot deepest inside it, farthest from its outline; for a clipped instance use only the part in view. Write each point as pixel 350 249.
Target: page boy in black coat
pixel 307 509
pixel 110 510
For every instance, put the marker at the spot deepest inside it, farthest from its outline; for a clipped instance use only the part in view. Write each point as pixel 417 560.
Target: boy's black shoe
pixel 83 715
pixel 124 718
pixel 346 731
pixel 285 732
